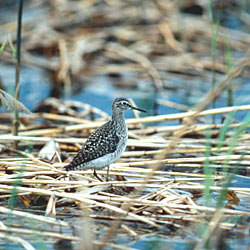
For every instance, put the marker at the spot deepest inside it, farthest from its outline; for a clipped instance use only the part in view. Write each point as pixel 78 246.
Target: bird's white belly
pixel 105 160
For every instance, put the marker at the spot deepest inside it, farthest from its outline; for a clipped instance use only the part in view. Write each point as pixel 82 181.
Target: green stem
pixel 215 34
pixel 18 63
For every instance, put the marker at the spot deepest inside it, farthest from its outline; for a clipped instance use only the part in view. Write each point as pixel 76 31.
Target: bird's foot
pixel 95 174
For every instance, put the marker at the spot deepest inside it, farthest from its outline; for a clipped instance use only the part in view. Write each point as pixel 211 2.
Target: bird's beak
pixel 141 110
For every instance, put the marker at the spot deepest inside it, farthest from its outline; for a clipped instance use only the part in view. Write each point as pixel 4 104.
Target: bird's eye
pixel 124 103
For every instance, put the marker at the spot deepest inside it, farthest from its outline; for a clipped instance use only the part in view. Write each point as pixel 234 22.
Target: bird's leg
pixel 107 177
pixel 95 174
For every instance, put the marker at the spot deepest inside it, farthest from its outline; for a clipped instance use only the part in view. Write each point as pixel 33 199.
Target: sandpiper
pixel 106 144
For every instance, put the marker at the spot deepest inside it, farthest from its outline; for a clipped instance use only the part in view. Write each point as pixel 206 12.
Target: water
pixel 34 84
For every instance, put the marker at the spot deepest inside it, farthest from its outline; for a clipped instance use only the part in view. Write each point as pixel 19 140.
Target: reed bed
pixel 140 197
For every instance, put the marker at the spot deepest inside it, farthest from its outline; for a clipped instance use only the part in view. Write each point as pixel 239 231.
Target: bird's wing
pixel 102 141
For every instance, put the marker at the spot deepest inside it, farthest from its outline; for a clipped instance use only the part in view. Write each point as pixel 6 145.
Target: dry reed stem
pixel 212 226
pixel 25 244
pixel 34 217
pixel 128 183
pixel 150 119
pixel 40 233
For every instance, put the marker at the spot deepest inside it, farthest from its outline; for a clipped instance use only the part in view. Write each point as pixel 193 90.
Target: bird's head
pixel 123 104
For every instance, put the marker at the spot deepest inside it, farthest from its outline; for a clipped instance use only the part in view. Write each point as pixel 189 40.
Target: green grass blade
pixel 2 47
pixel 208 171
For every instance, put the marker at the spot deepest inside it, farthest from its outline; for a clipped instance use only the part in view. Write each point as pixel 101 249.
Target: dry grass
pixel 164 197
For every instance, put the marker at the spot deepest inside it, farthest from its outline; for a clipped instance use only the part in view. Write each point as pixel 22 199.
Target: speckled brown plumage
pixel 102 141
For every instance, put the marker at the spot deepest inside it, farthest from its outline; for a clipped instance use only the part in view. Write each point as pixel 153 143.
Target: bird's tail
pixel 70 167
